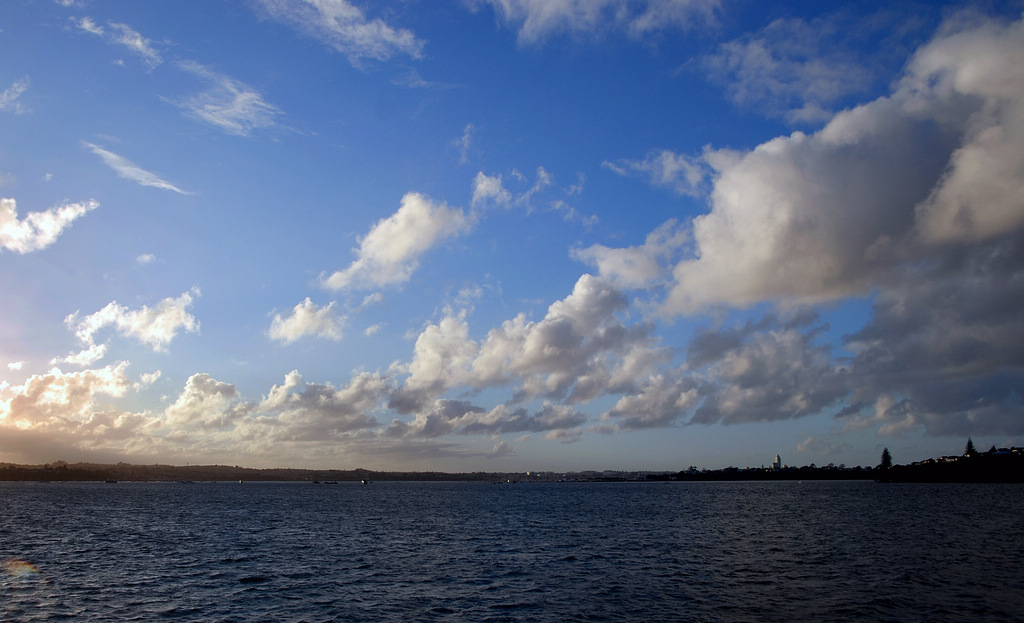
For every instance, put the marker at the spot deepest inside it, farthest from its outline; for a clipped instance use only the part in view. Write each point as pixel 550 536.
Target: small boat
pixel 110 480
pixel 365 482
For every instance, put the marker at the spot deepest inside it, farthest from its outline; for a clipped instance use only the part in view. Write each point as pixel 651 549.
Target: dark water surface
pixel 778 551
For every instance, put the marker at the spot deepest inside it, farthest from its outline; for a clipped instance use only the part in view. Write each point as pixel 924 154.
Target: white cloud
pixel 314 412
pixel 446 417
pixel 820 216
pixel 15 365
pixel 370 299
pixel 980 194
pixel 538 19
pixel 88 25
pixel 155 327
pixel 149 378
pixel 9 98
pixel 579 351
pixel 662 400
pixel 464 142
pixel 130 171
pixel 125 35
pixel 389 253
pixel 37 230
pixel 232 106
pixel 86 357
pixel 771 374
pixel 684 174
pixel 792 68
pixel 307 319
pixel 490 189
pixel 344 27
pixel 640 266
pixel 206 404
pixel 145 258
pixel 57 397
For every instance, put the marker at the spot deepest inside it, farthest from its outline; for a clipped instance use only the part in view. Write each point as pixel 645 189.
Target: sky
pixel 510 235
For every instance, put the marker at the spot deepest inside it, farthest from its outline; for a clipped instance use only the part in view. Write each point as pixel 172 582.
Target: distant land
pixel 1003 465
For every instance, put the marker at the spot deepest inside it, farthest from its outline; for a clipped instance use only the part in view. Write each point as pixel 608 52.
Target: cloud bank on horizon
pixel 739 235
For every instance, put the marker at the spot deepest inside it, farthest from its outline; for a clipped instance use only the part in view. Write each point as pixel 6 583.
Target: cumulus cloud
pixel 640 266
pixel 390 252
pixel 537 19
pixel 85 357
pixel 980 193
pixel 205 403
pixel 820 216
pixel 155 326
pixel 130 171
pixel 124 35
pixel 9 98
pixel 943 351
pixel 307 319
pixel 445 417
pixel 314 412
pixel 37 230
pixel 773 374
pixel 346 28
pixel 914 199
pixel 579 351
pixel 229 104
pixel 662 400
pixel 56 396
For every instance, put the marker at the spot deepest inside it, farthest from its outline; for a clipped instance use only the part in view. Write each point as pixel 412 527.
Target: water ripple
pixel 528 552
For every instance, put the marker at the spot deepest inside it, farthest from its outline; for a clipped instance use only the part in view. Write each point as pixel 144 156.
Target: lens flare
pixel 19 568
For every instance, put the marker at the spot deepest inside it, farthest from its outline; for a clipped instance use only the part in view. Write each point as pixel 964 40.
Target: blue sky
pixel 510 234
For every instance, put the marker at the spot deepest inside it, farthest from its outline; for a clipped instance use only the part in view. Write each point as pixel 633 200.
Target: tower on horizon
pixel 777 465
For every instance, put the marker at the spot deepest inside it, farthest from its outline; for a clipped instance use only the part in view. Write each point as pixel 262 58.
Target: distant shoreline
pixel 987 467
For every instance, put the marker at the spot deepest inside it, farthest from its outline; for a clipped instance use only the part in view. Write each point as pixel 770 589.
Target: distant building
pixel 777 465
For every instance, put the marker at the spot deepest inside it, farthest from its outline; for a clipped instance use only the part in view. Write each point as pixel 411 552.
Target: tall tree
pixel 886 459
pixel 969 450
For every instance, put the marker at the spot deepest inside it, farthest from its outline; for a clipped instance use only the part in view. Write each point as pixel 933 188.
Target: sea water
pixel 477 552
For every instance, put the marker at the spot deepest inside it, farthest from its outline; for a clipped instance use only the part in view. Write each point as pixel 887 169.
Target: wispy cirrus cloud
pixel 684 174
pixel 346 28
pixel 9 98
pixel 124 35
pixel 229 104
pixel 130 171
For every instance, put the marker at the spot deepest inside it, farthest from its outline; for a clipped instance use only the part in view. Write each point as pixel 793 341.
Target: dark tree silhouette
pixel 886 459
pixel 969 450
